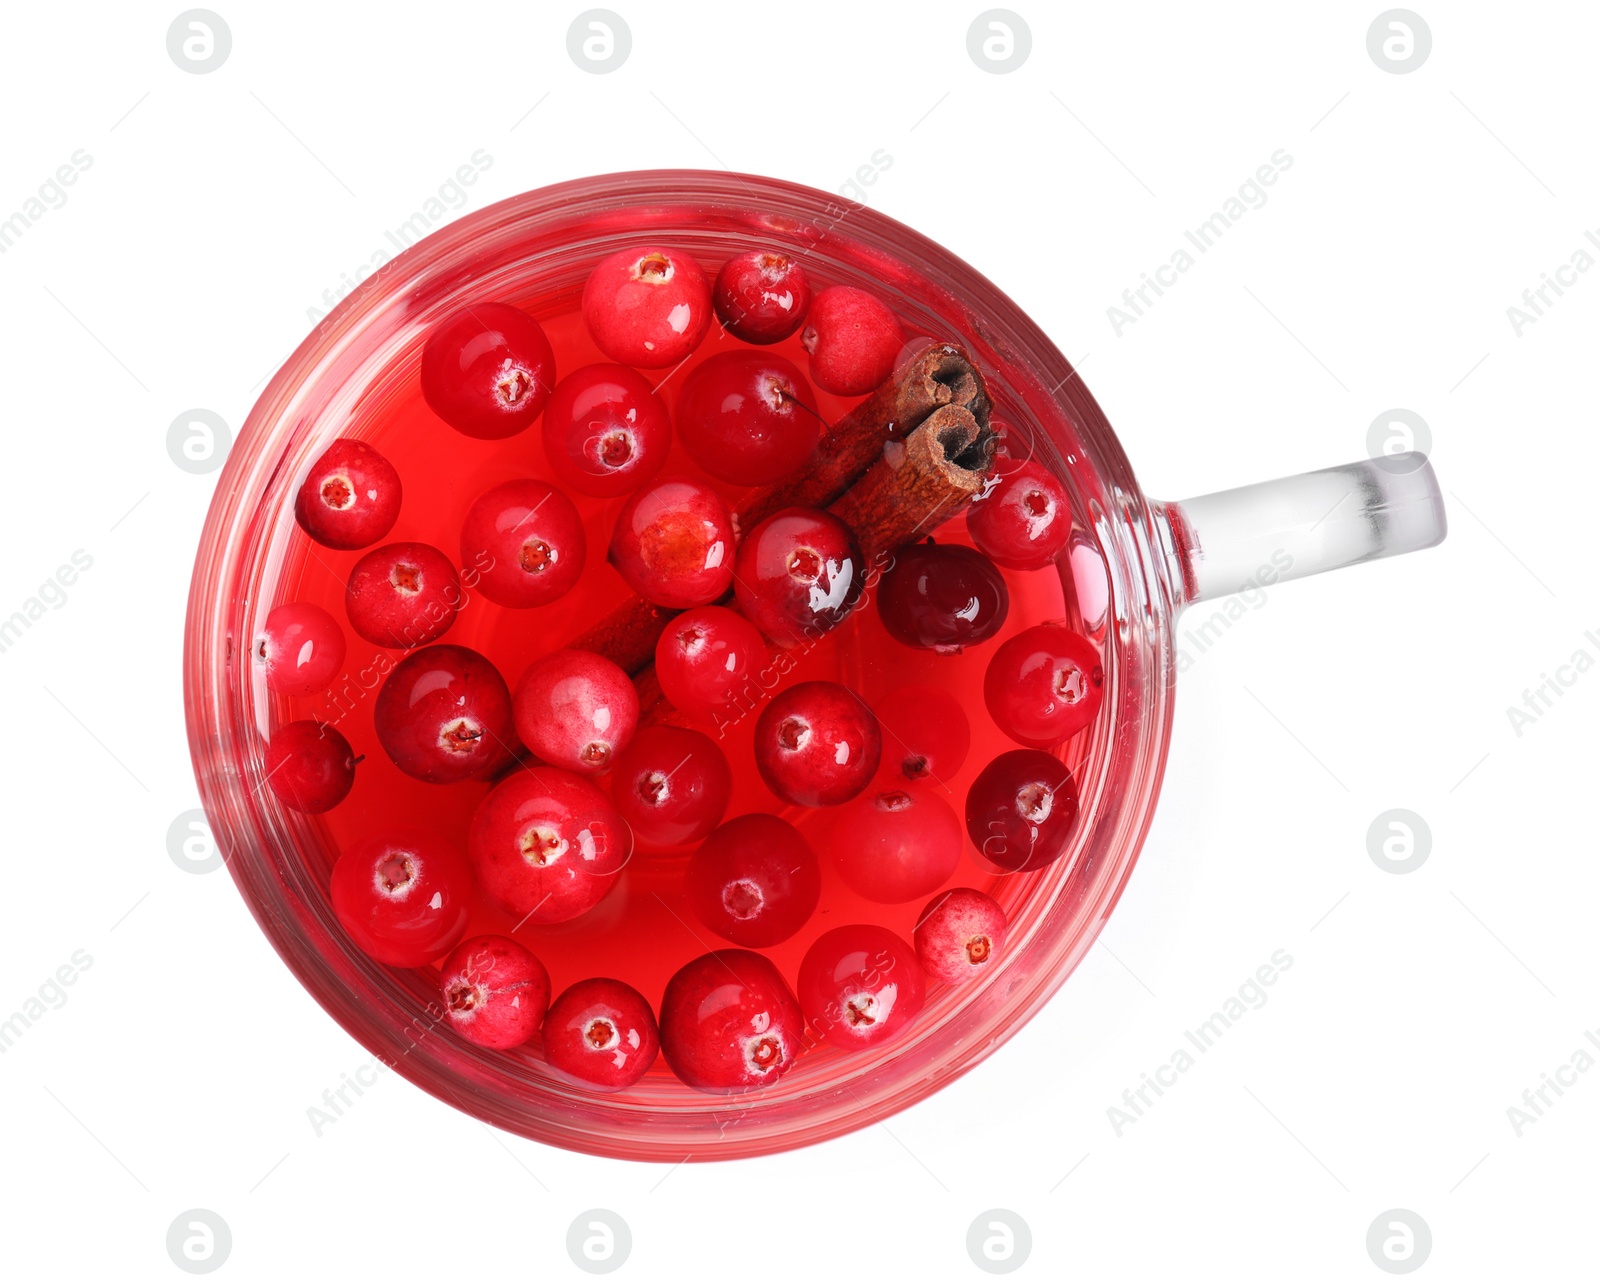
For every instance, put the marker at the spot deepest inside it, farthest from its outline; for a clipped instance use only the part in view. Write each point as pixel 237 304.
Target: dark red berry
pixel 309 765
pixel 671 785
pixel 673 544
pixel 942 596
pixel 299 649
pixel 576 710
pixel 817 744
pixel 896 845
pixel 798 575
pixel 1044 685
pixel 853 340
pixel 495 991
pixel 601 1034
pixel 402 595
pixel 1021 809
pixel 730 1022
pixel 605 430
pixel 487 370
pixel 403 896
pixel 860 986
pixel 761 296
pixel 755 881
pixel 748 417
pixel 524 540
pixel 1023 520
pixel 350 498
pixel 444 715
pixel 647 306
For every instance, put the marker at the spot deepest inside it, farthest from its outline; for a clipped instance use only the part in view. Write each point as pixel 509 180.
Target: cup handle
pixel 1225 542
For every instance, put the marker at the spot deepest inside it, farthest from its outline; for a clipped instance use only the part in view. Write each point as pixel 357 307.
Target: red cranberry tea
pixel 722 714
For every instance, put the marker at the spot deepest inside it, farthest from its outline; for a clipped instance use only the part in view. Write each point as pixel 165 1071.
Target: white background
pixel 218 208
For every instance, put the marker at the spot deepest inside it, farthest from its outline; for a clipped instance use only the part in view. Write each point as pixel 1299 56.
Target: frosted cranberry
pixel 404 896
pixel 673 544
pixel 1023 520
pixel 671 785
pixel 309 765
pixel 444 715
pixel 748 417
pixel 495 991
pixel 1020 810
pixel 526 542
pixel 761 296
pixel 350 498
pixel 605 430
pixel 576 710
pixel 860 985
pixel 853 340
pixel 1044 685
pixel 942 596
pixel 402 595
pixel 798 575
pixel 817 744
pixel 959 935
pixel 730 1022
pixel 546 845
pixel 896 845
pixel 299 649
pixel 647 306
pixel 925 734
pixel 601 1034
pixel 755 881
pixel 487 370
pixel 706 661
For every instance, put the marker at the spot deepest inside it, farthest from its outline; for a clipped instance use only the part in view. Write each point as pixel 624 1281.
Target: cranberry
pixel 706 661
pixel 1020 810
pixel 897 845
pixel 673 544
pixel 925 734
pixel 959 934
pixel 402 595
pixel 404 896
pixel 748 418
pixel 853 340
pixel 350 498
pixel 487 370
pixel 761 296
pixel 942 596
pixel 309 765
pixel 1044 685
pixel 860 985
pixel 546 845
pixel 1023 519
pixel 495 991
pixel 576 710
pixel 605 430
pixel 755 881
pixel 817 744
pixel 671 785
pixel 600 1034
pixel 730 1022
pixel 647 306
pixel 444 715
pixel 299 649
pixel 798 575
pixel 526 541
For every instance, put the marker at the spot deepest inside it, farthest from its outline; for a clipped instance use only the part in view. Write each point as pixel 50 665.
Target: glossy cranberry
pixel 860 985
pixel 673 544
pixel 755 881
pixel 896 845
pixel 546 845
pixel 959 935
pixel 761 296
pixel 1020 810
pixel 1023 520
pixel 730 1022
pixel 487 370
pixel 942 596
pixel 671 785
pixel 817 744
pixel 601 1034
pixel 525 540
pixel 605 431
pixel 1044 685
pixel 925 735
pixel 748 417
pixel 402 595
pixel 309 765
pixel 350 498
pixel 495 991
pixel 708 660
pixel 444 714
pixel 576 710
pixel 854 340
pixel 299 649
pixel 798 575
pixel 404 896
pixel 647 306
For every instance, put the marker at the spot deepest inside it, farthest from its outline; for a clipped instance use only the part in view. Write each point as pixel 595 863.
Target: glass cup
pixel 1134 565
